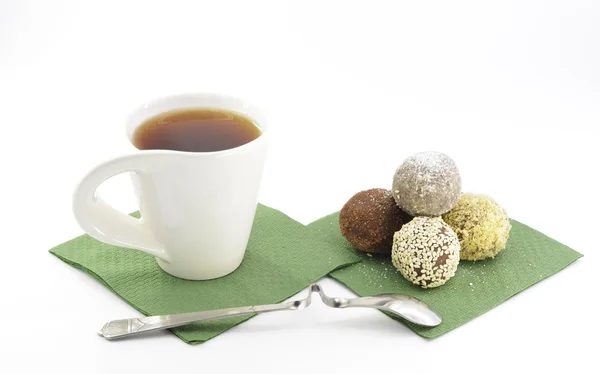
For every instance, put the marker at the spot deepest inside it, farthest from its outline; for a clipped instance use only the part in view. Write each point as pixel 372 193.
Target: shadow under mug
pixel 197 208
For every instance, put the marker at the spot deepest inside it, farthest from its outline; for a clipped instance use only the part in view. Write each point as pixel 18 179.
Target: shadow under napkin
pixel 477 287
pixel 283 257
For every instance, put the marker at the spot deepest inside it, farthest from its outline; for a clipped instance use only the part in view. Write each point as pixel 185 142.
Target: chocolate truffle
pixel 427 184
pixel 481 224
pixel 369 219
pixel 426 251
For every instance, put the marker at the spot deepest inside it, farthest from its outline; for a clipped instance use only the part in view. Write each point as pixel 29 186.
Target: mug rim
pixel 132 123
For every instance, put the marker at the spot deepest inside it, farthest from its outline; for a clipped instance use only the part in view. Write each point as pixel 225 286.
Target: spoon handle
pixel 127 327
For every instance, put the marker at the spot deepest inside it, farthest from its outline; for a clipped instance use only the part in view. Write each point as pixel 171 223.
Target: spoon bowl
pixel 403 306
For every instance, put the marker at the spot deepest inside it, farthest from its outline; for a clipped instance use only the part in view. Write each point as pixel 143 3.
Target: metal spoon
pixel 404 306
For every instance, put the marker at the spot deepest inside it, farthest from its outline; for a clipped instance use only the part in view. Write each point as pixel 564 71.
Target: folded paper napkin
pixel 477 287
pixel 282 258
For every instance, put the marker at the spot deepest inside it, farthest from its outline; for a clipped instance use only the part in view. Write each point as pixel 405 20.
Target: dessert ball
pixel 427 184
pixel 369 220
pixel 481 224
pixel 426 251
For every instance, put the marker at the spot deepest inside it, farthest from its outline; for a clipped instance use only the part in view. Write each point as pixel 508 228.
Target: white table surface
pixel 509 89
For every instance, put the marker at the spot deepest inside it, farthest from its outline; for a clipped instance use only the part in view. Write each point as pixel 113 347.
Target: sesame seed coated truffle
pixel 426 251
pixel 369 219
pixel 481 224
pixel 427 184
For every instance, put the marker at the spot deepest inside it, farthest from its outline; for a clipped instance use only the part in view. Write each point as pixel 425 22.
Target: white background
pixel 509 89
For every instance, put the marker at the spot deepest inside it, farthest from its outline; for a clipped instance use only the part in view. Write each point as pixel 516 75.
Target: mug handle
pixel 106 224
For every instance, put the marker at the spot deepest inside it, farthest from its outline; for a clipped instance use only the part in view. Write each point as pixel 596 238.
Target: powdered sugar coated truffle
pixel 427 184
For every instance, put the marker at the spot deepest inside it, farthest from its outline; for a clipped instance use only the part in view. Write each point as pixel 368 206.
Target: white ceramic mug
pixel 197 208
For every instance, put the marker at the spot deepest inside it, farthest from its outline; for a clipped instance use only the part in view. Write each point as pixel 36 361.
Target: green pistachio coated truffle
pixel 426 251
pixel 481 224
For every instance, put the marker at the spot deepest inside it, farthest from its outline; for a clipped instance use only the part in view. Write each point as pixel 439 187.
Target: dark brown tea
pixel 195 130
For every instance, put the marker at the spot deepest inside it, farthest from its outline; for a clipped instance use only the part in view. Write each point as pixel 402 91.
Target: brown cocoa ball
pixel 369 220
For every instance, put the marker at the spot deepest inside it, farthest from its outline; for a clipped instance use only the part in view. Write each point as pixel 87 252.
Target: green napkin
pixel 282 258
pixel 477 287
